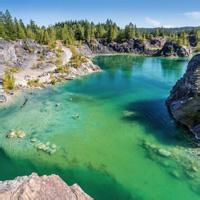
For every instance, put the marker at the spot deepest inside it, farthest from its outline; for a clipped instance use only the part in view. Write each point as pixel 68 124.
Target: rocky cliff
pixel 34 187
pixel 184 99
pixel 152 47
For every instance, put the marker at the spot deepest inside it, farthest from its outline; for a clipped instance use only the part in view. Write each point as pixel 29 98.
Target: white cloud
pixel 193 15
pixel 152 22
pixel 156 23
pixel 168 26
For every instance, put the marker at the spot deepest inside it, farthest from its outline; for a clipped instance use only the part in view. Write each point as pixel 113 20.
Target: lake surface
pixel 120 109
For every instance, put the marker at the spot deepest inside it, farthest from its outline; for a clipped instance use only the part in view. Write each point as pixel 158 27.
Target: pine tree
pixel 67 35
pixel 45 37
pixel 112 33
pixel 30 33
pixel 129 31
pixel 100 31
pixel 79 32
pixel 20 34
pixel 2 28
pixel 87 34
pixel 9 27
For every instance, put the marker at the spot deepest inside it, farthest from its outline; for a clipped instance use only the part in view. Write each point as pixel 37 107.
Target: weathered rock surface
pixel 129 46
pixel 184 99
pixel 152 47
pixel 172 49
pixel 34 187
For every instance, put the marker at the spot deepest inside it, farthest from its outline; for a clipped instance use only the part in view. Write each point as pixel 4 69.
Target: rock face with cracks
pixel 34 187
pixel 184 99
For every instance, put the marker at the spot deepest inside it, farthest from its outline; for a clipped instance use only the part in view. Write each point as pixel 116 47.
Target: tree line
pixel 84 31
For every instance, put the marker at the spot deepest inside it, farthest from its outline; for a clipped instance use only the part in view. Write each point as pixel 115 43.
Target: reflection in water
pixel 168 64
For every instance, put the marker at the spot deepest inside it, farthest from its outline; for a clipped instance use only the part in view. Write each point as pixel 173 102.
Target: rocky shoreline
pixel 184 99
pixel 38 188
pixel 154 47
pixel 31 65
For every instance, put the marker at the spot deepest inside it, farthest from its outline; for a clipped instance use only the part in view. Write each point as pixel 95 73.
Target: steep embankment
pixel 184 99
pixel 39 188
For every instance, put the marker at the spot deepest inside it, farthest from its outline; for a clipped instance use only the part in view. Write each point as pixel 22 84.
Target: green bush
pixel 8 81
pixel 197 49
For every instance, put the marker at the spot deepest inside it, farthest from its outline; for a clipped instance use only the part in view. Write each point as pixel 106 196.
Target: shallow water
pixel 102 151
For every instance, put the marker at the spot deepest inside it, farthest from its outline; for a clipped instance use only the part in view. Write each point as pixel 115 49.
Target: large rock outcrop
pixel 184 99
pixel 172 49
pixel 34 187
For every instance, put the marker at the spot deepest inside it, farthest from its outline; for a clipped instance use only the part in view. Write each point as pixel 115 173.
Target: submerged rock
pixel 21 134
pixel 41 146
pixel 33 140
pixel 164 153
pixel 184 99
pixel 16 134
pixel 45 147
pixel 175 173
pixel 127 113
pixel 12 134
pixel 76 116
pixel 34 187
pixel 194 168
pixel 53 146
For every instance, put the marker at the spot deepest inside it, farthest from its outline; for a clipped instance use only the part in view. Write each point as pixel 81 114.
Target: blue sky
pixel 143 13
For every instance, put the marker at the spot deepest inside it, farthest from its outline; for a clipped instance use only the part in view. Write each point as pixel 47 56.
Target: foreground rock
pixel 184 99
pixel 34 187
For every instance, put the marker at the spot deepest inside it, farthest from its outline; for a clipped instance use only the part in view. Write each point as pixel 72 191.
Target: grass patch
pixel 14 70
pixel 63 69
pixel 54 79
pixel 34 83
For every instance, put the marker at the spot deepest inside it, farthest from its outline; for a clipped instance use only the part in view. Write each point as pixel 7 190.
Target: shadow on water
pixel 97 183
pixel 153 115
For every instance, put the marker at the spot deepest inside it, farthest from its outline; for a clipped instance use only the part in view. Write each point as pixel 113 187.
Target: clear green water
pixel 102 150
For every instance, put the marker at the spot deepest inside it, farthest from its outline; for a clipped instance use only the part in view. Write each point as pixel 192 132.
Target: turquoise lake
pixel 120 109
